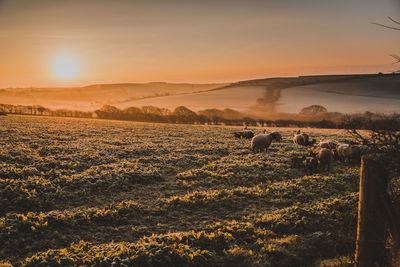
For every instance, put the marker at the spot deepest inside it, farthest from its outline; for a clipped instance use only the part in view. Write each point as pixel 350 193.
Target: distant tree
pixel 313 110
pixel 184 115
pixel 108 112
pixel 155 110
pixel 38 109
pixel 109 109
pixel 29 110
pixel 133 113
pixel 41 109
pixel 60 113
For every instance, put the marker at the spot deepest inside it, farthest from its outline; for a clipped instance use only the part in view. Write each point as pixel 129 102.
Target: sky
pixel 72 43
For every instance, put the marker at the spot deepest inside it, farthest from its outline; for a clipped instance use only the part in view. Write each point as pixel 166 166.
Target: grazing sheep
pixel 248 134
pixel 278 136
pixel 297 162
pixel 341 149
pixel 327 144
pixel 325 157
pixel 302 139
pixel 355 154
pixel 261 142
pixel 311 164
pixel 349 153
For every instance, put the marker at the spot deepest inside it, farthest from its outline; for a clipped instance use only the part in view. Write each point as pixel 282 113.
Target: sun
pixel 65 66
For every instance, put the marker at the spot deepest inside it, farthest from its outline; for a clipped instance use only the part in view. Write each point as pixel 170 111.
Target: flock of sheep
pixel 320 155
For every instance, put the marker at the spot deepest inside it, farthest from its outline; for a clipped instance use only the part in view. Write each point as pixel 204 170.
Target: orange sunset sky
pixel 71 43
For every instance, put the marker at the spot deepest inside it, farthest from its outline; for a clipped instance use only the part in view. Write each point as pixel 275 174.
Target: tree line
pixel 320 119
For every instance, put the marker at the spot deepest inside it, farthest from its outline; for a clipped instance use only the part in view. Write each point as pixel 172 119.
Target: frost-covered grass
pixel 77 191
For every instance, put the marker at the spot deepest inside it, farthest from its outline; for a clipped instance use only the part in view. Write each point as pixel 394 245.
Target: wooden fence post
pixel 370 246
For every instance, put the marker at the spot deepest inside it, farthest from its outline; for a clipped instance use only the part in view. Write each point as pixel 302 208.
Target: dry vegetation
pixel 97 192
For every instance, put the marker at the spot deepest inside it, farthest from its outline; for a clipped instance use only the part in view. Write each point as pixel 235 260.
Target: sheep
pixel 341 149
pixel 349 153
pixel 261 142
pixel 300 138
pixel 327 144
pixel 296 162
pixel 277 135
pixel 311 164
pixel 325 157
pixel 248 134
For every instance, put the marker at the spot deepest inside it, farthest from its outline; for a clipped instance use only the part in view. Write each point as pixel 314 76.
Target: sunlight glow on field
pixel 65 66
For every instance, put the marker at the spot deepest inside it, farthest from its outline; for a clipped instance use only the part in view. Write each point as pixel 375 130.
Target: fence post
pixel 370 246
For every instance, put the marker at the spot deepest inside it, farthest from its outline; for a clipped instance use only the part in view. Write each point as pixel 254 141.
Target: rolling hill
pixel 347 94
pixel 342 93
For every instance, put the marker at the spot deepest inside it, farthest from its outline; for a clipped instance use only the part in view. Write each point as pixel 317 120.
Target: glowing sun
pixel 65 66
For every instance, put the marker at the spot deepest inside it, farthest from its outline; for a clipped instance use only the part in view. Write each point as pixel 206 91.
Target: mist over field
pixel 92 97
pixel 346 94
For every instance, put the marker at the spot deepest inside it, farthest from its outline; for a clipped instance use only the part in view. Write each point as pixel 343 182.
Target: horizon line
pixel 200 83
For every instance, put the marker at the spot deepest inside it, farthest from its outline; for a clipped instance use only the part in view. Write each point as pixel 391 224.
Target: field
pixel 96 192
pixel 360 94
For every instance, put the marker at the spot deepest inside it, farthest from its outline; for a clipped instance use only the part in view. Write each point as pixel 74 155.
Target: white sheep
pixel 247 134
pixel 261 142
pixel 300 138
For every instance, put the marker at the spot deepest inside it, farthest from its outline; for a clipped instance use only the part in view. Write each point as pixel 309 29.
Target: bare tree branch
pixel 395 21
pixel 385 26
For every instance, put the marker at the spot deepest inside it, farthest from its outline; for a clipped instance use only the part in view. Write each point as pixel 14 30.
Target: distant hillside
pixel 95 96
pixel 342 93
pixel 378 94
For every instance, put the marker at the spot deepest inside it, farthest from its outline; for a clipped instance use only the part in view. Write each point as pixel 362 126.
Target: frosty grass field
pixel 96 192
